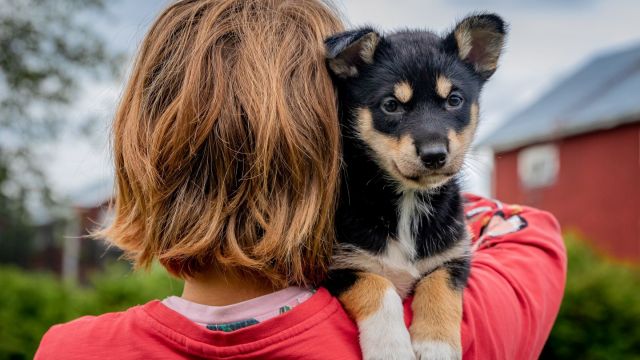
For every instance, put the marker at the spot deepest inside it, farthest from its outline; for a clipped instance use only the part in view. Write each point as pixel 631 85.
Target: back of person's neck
pixel 216 288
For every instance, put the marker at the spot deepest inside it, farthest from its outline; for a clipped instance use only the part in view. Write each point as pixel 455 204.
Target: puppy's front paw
pixel 383 334
pixel 436 350
pixel 386 344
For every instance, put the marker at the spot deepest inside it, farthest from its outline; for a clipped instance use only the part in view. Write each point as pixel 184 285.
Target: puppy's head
pixel 414 95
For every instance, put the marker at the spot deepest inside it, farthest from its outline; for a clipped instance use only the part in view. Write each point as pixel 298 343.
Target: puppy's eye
pixel 454 100
pixel 391 106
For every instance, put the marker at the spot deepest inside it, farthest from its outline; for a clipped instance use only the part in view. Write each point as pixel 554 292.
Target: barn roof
pixel 602 94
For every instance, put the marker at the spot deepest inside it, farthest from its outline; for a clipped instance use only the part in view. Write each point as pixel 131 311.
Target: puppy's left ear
pixel 348 51
pixel 478 41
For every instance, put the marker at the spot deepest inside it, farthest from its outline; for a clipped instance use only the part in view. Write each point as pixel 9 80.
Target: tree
pixel 46 47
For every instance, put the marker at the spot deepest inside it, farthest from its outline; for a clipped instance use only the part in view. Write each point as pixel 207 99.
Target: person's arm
pixel 516 284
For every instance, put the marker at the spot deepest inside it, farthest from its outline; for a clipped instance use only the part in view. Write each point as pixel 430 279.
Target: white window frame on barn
pixel 538 166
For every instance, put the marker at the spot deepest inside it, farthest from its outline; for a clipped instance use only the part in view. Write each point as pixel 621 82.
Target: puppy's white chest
pixel 397 265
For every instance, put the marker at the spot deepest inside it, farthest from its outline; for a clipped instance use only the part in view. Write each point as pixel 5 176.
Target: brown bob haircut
pixel 226 142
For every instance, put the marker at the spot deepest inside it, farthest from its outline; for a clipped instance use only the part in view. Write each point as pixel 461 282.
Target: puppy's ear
pixel 478 41
pixel 346 52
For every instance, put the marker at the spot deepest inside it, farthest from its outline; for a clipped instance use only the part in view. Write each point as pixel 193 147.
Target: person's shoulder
pixel 84 325
pixel 476 204
pixel 481 211
pixel 89 334
pixel 492 221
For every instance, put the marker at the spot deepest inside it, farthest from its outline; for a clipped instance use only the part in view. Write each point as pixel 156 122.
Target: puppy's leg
pixel 372 301
pixel 437 312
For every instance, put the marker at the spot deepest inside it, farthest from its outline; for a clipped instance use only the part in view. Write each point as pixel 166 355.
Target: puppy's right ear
pixel 348 51
pixel 478 41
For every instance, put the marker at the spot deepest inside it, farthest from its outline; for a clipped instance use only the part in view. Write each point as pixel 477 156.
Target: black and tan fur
pixel 409 110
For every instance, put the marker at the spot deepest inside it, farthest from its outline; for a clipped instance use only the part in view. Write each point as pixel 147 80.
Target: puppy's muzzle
pixel 433 156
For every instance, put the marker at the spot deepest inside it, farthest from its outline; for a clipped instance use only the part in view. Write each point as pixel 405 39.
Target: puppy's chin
pixel 425 182
pixel 420 181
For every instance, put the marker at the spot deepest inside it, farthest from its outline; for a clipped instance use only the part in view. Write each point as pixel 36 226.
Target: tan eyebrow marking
pixel 403 91
pixel 443 86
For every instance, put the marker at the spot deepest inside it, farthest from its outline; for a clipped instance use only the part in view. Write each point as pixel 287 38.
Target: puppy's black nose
pixel 433 156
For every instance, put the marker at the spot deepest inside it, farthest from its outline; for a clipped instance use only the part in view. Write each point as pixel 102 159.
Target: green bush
pixel 30 303
pixel 600 313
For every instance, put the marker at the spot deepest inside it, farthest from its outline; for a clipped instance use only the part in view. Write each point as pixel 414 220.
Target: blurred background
pixel 560 130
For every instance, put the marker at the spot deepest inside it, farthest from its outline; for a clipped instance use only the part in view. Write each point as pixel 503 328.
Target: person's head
pixel 226 142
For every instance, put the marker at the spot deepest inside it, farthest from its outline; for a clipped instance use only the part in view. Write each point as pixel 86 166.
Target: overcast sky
pixel 548 39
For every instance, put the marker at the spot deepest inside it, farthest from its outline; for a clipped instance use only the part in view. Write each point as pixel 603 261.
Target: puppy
pixel 409 109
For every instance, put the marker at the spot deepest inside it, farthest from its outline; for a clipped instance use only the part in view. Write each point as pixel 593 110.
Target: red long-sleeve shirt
pixel 511 301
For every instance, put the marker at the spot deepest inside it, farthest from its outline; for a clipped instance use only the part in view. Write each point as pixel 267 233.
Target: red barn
pixel 576 153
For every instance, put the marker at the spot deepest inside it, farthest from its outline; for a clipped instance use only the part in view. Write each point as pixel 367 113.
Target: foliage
pixel 600 313
pixel 14 224
pixel 47 48
pixel 32 302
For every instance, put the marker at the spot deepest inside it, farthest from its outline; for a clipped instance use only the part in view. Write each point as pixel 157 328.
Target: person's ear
pixel 478 41
pixel 348 51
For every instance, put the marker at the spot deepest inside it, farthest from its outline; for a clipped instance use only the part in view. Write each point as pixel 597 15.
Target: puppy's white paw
pixel 383 335
pixel 388 350
pixel 436 350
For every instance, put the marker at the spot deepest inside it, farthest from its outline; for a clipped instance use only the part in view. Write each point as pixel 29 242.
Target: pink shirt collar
pixel 260 308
